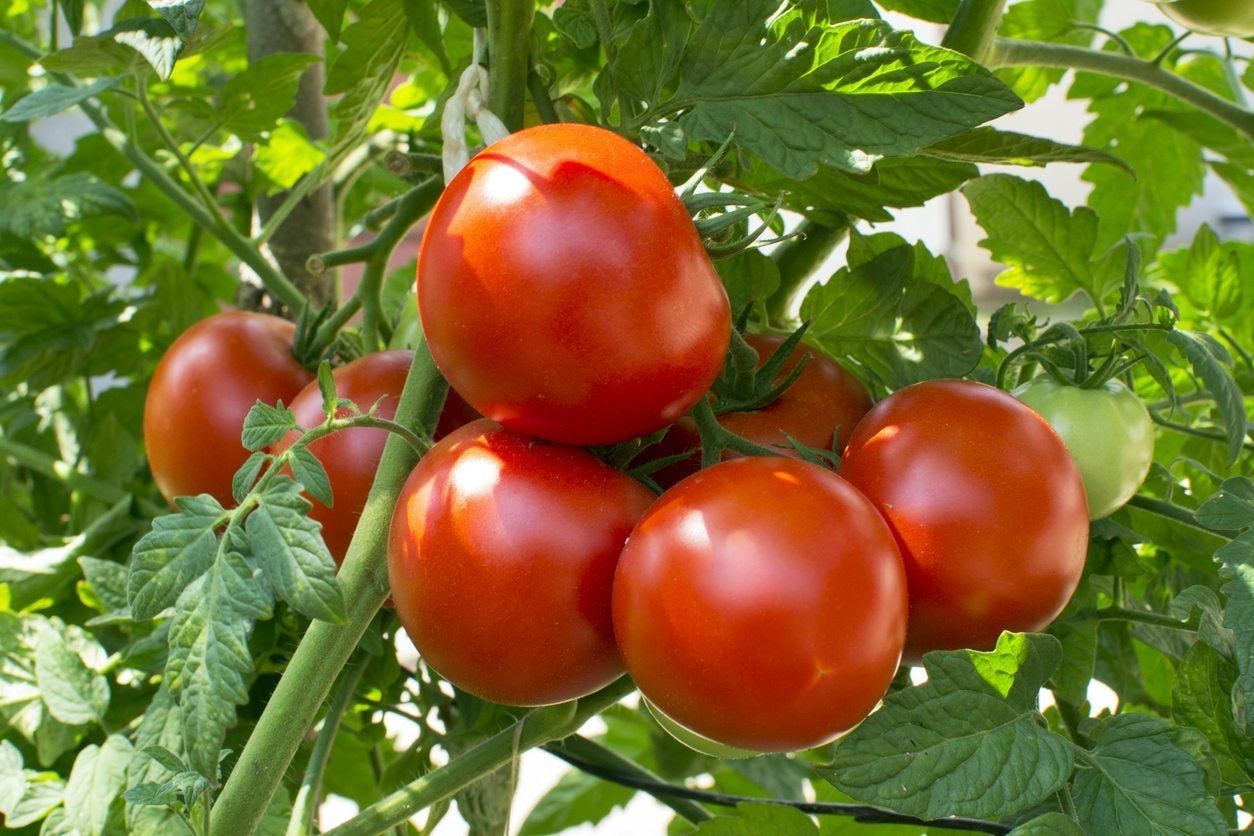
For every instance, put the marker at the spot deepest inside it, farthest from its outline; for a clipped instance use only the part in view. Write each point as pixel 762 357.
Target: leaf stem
pixel 1014 53
pixel 974 27
pixel 540 98
pixel 1176 426
pixel 1140 617
pixel 326 647
pixel 715 438
pixel 862 813
pixel 797 260
pixel 509 42
pixel 587 755
pixel 536 728
pixel 1175 513
pixel 306 805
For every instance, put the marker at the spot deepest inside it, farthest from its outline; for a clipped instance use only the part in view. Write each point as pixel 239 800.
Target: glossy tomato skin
pixel 202 389
pixel 1108 431
pixel 761 604
pixel 564 290
pixel 350 457
pixel 501 560
pixel 987 506
pixel 822 404
pixel 1224 18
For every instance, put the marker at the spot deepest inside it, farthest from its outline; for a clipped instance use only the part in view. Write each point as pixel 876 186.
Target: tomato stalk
pixel 535 728
pixel 509 41
pixel 1015 53
pixel 326 647
pixel 715 438
pixel 974 27
pixel 797 260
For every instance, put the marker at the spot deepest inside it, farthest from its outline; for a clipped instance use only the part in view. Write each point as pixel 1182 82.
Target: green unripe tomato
pixel 697 742
pixel 1225 18
pixel 1107 430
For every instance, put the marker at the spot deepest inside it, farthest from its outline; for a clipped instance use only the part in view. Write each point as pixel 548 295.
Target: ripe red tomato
pixel 762 604
pixel 203 387
pixel 501 560
pixel 564 290
pixel 987 506
pixel 823 403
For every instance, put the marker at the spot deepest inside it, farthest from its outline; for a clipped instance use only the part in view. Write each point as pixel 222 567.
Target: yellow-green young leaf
pixel 967 742
pixel 98 777
pixel 363 72
pixel 1045 20
pixel 1048 248
pixel 1137 780
pixel 799 93
pixel 288 547
pixel 287 155
pixel 889 318
pixel 253 101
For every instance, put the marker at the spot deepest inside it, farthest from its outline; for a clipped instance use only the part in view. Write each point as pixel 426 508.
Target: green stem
pixel 1175 513
pixel 338 320
pixel 298 193
pixel 533 729
pixel 797 260
pixel 509 41
pixel 54 468
pixel 715 438
pixel 1012 53
pixel 326 647
pixel 416 203
pixel 540 98
pixel 585 751
pixel 974 27
pixel 1185 429
pixel 306 805
pixel 1141 617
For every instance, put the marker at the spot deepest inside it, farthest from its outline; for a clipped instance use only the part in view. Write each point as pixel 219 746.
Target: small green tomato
pixel 1224 18
pixel 1107 430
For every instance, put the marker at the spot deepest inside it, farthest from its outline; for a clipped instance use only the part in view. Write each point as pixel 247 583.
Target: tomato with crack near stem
pixel 565 292
pixel 761 603
pixel 201 392
pixel 501 560
pixel 823 404
pixel 352 456
pixel 1224 18
pixel 986 504
pixel 1108 431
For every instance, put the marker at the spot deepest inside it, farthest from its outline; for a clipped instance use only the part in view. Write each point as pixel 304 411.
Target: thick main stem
pixel 1012 53
pixel 509 41
pixel 533 729
pixel 325 649
pixel 974 27
pixel 797 259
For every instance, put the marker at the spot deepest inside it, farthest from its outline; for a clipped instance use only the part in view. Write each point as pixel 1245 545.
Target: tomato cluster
pixel 760 604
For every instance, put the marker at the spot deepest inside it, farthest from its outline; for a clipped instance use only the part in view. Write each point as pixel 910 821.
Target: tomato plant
pixel 771 625
pixel 501 559
pixel 818 409
pixel 201 391
pixel 1107 430
pixel 986 504
pixel 571 213
pixel 597 337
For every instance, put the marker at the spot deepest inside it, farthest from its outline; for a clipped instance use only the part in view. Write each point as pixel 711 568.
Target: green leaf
pixel 155 40
pixel 254 101
pixel 178 550
pixel 967 742
pixel 330 13
pixel 74 693
pixel 159 729
pixel 574 20
pixel 326 387
pixel 1202 699
pixel 265 425
pixel 750 278
pixel 1045 20
pixel 244 478
pixel 578 798
pixel 1137 780
pixel 1236 562
pixel 1209 360
pixel 1050 824
pixel 45 207
pixel 209 659
pixel 54 98
pixel 757 819
pixel 288 547
pixel 1212 275
pixel 426 25
pixel 363 72
pixel 990 145
pixel 311 475
pixel 98 776
pixel 800 94
pixel 287 155
pixel 182 15
pixel 22 707
pixel 107 580
pixel 888 317
pixel 1048 249
pixel 43 793
pixel 473 12
pixel 12 780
